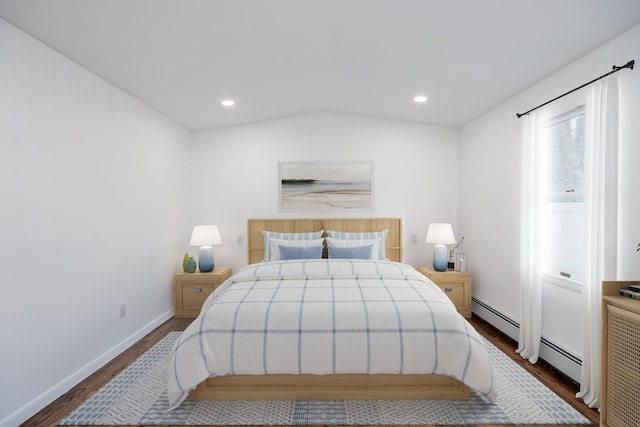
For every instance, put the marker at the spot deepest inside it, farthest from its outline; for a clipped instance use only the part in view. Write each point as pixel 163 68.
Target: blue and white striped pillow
pixel 364 235
pixel 311 235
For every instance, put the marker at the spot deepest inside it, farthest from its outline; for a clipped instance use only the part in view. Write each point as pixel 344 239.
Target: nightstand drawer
pixel 455 292
pixel 193 295
pixel 455 284
pixel 192 289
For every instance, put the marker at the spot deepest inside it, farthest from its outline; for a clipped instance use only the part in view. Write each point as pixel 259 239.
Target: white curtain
pixel 601 211
pixel 531 217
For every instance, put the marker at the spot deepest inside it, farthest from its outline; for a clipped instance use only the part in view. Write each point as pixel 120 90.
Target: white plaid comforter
pixel 329 317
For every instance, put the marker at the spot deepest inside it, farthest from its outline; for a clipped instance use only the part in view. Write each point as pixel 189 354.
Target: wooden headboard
pixel 255 239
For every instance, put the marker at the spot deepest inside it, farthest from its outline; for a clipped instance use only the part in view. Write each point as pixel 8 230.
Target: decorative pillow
pixel 364 235
pixel 342 243
pixel 300 252
pixel 274 246
pixel 312 235
pixel 354 252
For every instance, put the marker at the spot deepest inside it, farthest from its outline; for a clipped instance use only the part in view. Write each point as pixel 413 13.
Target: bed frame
pixel 328 387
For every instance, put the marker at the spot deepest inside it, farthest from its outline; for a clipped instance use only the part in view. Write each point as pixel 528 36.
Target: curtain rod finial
pixel 628 65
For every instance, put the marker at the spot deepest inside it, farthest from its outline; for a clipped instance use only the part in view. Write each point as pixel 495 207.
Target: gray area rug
pixel 138 396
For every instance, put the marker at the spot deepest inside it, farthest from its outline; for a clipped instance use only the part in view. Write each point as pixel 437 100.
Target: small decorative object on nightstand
pixel 456 284
pixel 191 265
pixel 453 259
pixel 185 262
pixel 191 289
pixel 461 264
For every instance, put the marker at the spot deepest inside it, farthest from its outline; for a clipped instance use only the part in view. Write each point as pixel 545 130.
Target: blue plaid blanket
pixel 329 317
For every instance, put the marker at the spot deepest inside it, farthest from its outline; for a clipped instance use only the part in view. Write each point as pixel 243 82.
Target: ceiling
pixel 279 58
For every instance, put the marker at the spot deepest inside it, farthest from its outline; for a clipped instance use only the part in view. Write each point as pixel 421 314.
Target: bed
pixel 306 325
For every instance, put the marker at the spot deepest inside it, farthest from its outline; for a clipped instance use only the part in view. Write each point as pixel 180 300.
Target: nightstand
pixel 455 284
pixel 191 289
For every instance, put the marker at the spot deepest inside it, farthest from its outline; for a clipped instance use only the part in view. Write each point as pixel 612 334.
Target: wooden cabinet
pixel 620 381
pixel 455 284
pixel 191 289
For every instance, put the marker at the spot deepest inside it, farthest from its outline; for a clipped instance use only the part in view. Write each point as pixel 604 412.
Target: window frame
pixel 548 276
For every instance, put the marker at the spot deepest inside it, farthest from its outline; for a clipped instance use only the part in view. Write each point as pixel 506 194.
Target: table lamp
pixel 441 234
pixel 205 236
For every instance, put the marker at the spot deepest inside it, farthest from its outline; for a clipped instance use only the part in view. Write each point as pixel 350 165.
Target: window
pixel 563 189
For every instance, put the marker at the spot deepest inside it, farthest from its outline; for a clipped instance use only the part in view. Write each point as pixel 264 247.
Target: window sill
pixel 563 282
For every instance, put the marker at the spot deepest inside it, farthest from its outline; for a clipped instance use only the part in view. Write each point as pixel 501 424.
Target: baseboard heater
pixel 553 354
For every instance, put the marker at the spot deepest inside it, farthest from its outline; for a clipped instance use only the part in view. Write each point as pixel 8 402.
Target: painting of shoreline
pixel 326 185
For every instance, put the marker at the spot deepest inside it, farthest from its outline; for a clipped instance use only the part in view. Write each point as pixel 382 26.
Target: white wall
pixel 234 174
pixel 489 184
pixel 93 213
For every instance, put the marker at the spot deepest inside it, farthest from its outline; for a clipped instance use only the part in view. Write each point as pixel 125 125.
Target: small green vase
pixel 185 261
pixel 191 265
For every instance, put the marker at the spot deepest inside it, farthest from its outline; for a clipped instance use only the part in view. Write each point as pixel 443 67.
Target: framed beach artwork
pixel 326 185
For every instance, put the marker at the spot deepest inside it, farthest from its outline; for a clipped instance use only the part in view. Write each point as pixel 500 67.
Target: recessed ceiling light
pixel 420 98
pixel 228 102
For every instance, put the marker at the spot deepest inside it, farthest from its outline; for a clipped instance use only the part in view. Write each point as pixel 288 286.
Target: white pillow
pixel 274 246
pixel 364 235
pixel 352 243
pixel 311 235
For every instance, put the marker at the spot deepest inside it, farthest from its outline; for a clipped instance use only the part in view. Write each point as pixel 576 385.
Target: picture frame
pixel 325 185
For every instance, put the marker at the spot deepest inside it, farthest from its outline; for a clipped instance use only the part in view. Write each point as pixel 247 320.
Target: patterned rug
pixel 138 396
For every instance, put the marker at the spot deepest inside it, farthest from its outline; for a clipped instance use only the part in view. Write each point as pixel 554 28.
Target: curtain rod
pixel 615 70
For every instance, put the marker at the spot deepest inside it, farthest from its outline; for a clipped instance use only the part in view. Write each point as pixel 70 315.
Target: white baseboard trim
pixel 561 359
pixel 552 353
pixel 495 318
pixel 44 399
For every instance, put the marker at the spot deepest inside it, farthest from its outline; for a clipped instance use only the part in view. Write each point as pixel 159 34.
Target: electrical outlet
pixel 123 309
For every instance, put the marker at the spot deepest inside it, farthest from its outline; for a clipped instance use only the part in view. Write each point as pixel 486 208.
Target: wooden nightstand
pixel 191 289
pixel 455 284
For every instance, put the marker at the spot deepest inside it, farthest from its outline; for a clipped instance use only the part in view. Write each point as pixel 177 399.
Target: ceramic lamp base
pixel 205 259
pixel 440 257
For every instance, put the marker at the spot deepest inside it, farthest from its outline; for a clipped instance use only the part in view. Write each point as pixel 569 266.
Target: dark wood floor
pixel 54 413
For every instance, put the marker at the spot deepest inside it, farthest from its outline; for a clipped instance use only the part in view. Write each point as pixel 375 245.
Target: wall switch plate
pixel 239 240
pixel 123 309
pixel 414 238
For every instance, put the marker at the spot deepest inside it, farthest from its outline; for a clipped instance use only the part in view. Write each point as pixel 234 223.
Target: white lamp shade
pixel 205 235
pixel 440 233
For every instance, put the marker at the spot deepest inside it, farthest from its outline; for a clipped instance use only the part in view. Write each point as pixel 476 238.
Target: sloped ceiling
pixel 285 57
